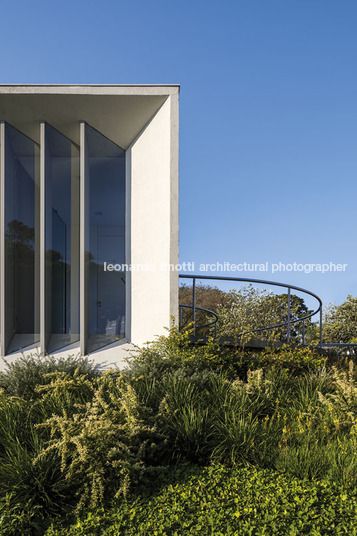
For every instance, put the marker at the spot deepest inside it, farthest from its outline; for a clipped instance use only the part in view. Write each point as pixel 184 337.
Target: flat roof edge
pixel 90 89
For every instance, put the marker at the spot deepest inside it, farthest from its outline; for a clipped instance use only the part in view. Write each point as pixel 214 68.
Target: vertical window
pixel 22 241
pixel 61 240
pixel 105 231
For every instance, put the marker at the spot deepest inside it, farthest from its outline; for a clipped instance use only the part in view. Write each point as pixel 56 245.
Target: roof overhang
pixel 120 112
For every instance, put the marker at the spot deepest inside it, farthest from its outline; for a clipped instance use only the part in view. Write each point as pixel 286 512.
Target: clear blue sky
pixel 268 142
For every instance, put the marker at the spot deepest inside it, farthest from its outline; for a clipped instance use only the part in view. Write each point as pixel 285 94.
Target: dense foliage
pixel 340 322
pixel 222 502
pixel 73 440
pixel 246 309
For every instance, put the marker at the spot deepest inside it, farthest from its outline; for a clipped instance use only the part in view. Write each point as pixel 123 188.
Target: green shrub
pixel 221 502
pixel 22 376
pixel 176 351
pixel 33 489
pixel 103 444
pixel 29 493
pixel 78 438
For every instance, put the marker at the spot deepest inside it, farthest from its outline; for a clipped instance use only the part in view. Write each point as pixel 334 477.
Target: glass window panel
pixel 62 240
pixel 22 240
pixel 2 259
pixel 105 210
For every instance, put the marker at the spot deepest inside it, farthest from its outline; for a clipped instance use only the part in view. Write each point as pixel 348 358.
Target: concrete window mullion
pixel 83 277
pixel 43 326
pixel 2 239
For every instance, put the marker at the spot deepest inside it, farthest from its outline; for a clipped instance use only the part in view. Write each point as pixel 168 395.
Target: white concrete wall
pixel 151 162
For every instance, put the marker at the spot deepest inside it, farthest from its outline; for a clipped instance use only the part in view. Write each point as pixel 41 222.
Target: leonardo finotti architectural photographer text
pixel 193 267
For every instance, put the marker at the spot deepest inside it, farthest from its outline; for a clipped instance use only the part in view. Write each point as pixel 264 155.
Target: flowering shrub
pixel 80 440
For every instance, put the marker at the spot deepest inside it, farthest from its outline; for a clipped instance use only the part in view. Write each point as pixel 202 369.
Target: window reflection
pixel 105 177
pixel 104 209
pixel 22 215
pixel 62 240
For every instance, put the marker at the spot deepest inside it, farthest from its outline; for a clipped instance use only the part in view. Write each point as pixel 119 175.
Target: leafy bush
pixel 81 439
pixel 251 308
pixel 29 493
pixel 103 444
pixel 23 376
pixel 221 501
pixel 340 322
pixel 248 308
pixel 296 359
pixel 32 490
pixel 176 351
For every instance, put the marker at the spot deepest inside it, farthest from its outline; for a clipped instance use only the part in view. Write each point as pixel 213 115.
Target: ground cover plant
pixel 219 501
pixel 81 448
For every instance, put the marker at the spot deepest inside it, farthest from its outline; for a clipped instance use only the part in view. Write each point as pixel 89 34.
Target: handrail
pixel 288 323
pixel 209 324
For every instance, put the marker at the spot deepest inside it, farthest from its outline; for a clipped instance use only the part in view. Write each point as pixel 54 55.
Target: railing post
pixel 288 315
pixel 320 326
pixel 194 305
pixel 180 318
pixel 303 332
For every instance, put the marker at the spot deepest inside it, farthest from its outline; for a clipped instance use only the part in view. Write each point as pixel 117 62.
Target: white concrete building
pixel 88 217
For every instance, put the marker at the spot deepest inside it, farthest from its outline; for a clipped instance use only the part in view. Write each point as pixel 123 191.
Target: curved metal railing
pixel 288 323
pixel 201 326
